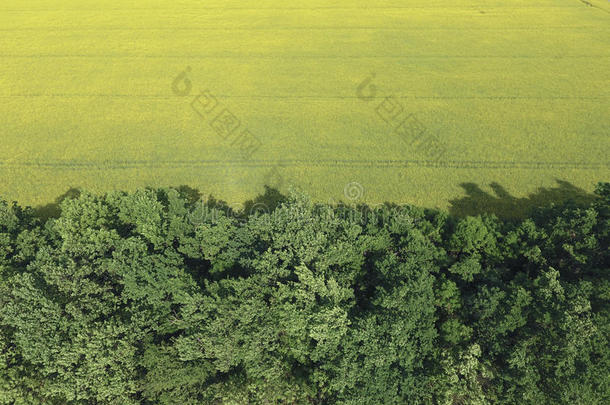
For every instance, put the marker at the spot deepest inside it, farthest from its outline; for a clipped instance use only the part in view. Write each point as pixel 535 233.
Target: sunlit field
pixel 360 100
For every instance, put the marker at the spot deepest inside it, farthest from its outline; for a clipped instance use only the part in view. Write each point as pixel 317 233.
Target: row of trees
pixel 151 298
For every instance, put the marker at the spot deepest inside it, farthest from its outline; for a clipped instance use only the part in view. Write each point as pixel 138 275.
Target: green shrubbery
pixel 127 299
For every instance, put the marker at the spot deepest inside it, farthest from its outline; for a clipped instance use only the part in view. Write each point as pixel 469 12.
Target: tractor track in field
pixel 589 4
pixel 322 163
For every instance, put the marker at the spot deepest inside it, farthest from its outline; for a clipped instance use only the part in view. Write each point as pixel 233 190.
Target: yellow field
pixel 516 92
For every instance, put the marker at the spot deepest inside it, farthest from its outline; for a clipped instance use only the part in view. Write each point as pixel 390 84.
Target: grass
pixel 517 92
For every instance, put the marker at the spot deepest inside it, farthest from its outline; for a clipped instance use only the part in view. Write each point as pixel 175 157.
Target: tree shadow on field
pixel 266 202
pixel 505 205
pixel 53 210
pixel 477 201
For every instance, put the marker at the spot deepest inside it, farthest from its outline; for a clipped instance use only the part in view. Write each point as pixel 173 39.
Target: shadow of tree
pixel 210 206
pixel 52 210
pixel 505 205
pixel 191 195
pixel 476 202
pixel 266 202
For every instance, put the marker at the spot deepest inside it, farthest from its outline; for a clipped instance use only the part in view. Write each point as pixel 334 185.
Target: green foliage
pixel 150 297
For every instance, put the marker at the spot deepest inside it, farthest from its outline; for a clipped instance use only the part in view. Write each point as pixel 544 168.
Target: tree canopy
pixel 152 297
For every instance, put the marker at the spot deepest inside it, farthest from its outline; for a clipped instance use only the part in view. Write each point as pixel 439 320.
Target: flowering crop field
pixel 359 100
